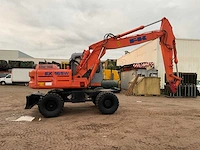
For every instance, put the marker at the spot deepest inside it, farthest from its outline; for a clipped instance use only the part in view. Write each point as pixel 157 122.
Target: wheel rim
pixel 3 83
pixel 51 105
pixel 108 103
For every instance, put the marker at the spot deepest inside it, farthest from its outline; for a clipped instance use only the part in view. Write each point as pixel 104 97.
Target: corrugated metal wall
pixel 188 52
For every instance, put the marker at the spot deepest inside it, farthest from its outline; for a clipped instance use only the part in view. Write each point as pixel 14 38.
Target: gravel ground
pixel 139 123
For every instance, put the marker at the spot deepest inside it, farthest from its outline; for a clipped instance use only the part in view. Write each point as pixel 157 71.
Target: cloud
pixel 57 28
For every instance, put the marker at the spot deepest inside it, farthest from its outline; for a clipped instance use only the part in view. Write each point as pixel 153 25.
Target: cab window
pixel 9 76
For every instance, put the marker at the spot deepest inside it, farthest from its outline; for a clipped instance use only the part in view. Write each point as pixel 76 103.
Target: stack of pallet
pixel 187 88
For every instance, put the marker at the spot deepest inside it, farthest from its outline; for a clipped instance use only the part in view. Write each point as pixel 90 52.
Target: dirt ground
pixel 139 123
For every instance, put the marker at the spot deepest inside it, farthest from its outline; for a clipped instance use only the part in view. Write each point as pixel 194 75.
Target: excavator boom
pixel 91 57
pixel 83 73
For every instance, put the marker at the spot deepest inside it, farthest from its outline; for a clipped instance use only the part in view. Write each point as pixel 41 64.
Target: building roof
pixel 17 55
pixel 12 54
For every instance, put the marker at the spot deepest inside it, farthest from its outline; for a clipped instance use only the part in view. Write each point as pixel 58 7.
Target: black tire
pixel 94 97
pixel 198 93
pixel 51 105
pixel 94 100
pixel 3 83
pixel 107 102
pixel 26 84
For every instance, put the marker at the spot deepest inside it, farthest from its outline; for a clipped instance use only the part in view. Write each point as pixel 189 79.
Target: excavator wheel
pixel 107 102
pixel 94 100
pixel 51 105
pixel 94 96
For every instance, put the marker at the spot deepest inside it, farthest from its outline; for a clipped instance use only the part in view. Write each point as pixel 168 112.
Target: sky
pixel 58 28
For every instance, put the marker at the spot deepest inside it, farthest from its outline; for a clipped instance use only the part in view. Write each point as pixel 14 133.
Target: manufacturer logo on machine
pixel 48 73
pixel 61 73
pixel 56 73
pixel 140 38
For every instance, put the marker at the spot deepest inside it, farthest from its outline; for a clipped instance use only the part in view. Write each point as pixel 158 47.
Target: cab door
pixel 8 79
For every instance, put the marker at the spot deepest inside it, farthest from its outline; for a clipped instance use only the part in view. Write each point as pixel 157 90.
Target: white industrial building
pixel 16 55
pixel 188 51
pixel 13 55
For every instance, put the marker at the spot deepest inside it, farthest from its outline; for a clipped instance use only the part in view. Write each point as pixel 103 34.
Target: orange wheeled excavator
pixel 82 80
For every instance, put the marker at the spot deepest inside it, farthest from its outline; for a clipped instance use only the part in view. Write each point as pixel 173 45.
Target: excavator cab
pixel 74 62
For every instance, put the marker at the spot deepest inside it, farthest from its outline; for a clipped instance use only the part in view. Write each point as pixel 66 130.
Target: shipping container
pixel 128 76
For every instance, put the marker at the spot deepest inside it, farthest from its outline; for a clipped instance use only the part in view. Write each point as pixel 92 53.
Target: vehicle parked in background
pixel 17 76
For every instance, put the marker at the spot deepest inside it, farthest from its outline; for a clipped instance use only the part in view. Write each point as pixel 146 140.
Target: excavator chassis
pixel 51 104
